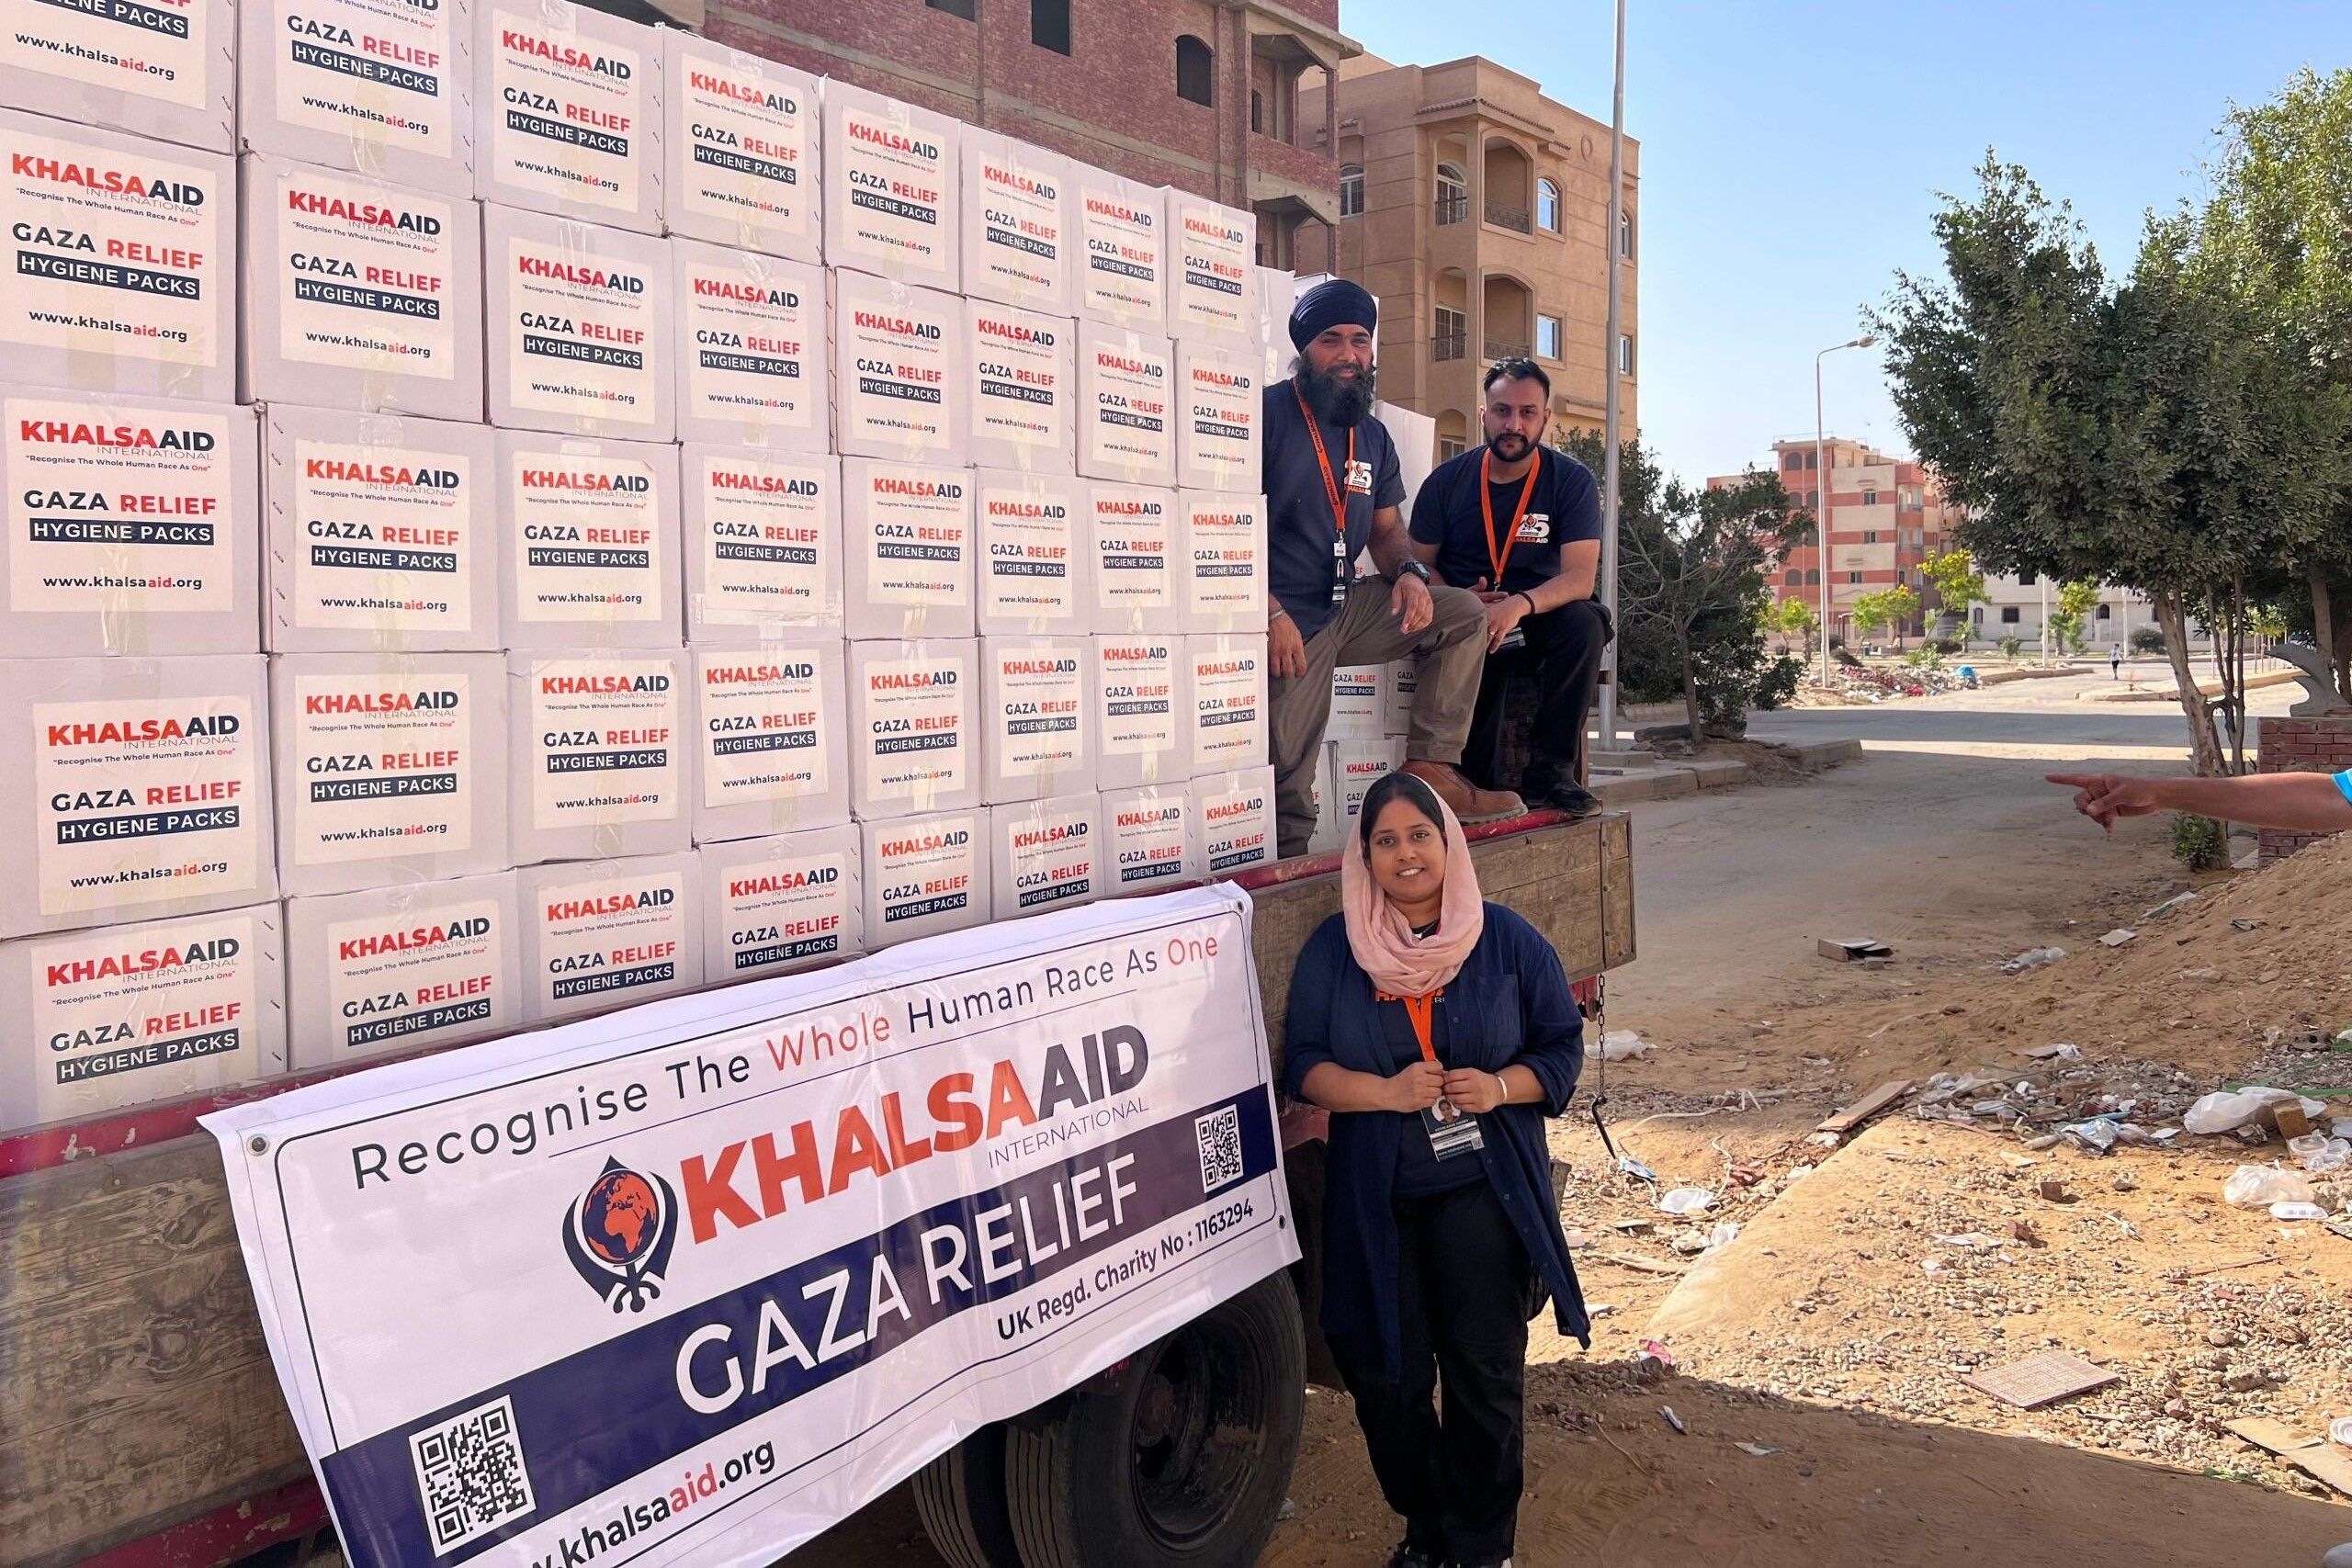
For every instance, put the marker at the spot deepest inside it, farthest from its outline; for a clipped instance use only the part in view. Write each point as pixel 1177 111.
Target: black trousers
pixel 1462 1292
pixel 1564 646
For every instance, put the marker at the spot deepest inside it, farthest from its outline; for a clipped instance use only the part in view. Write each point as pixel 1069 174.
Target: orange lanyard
pixel 1419 1011
pixel 1331 488
pixel 1499 556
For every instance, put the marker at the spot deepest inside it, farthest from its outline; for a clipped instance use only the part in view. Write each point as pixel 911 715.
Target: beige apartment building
pixel 1477 209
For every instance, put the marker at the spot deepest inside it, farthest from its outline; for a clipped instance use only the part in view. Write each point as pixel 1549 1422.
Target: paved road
pixel 1944 840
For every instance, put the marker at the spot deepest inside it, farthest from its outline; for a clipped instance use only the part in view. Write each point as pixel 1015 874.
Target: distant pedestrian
pixel 2115 663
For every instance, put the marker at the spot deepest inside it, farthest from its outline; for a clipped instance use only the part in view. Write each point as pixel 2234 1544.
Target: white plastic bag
pixel 1623 1045
pixel 2224 1112
pixel 2259 1186
pixel 1695 1199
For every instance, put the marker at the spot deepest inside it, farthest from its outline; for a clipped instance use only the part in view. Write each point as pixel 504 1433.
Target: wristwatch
pixel 1411 566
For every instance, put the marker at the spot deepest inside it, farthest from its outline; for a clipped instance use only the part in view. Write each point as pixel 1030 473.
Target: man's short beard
pixel 1494 445
pixel 1339 402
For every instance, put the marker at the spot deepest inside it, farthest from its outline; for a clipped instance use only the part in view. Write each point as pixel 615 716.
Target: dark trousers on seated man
pixel 1563 650
pixel 1447 655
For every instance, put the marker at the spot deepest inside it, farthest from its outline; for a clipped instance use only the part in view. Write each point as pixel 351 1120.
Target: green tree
pixel 1959 587
pixel 2075 603
pixel 1794 619
pixel 1867 614
pixel 1884 608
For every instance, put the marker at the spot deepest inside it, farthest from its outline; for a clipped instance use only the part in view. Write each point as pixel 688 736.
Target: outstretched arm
pixel 2296 803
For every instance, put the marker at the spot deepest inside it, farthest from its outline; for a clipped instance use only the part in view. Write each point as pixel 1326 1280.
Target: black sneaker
pixel 1408 1555
pixel 1571 798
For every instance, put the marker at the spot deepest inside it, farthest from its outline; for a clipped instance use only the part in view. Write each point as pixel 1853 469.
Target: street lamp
pixel 1821 508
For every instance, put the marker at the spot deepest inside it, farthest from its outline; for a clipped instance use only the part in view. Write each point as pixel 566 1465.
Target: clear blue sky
pixel 1792 153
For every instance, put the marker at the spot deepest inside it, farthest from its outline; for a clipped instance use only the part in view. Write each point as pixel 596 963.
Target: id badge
pixel 1515 637
pixel 1339 571
pixel 1452 1130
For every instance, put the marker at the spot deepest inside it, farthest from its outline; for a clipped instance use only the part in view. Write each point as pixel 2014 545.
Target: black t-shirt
pixel 1418 1170
pixel 1299 532
pixel 1564 507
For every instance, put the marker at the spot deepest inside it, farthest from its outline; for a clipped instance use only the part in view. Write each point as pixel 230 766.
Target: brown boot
pixel 1469 802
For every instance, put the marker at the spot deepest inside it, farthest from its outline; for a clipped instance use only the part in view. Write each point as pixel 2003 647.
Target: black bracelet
pixel 1530 602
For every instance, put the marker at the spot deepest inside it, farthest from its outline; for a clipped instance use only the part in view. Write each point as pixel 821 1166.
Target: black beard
pixel 1495 445
pixel 1336 402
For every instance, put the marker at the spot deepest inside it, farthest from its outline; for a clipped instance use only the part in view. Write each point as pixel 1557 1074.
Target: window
pixel 1351 190
pixel 1625 236
pixel 1625 354
pixel 964 8
pixel 1452 193
pixel 2026 578
pixel 1853 578
pixel 1449 447
pixel 1976 614
pixel 1870 535
pixel 1813 499
pixel 1547 337
pixel 1257 112
pixel 1793 462
pixel 1813 459
pixel 2105 612
pixel 1813 578
pixel 1548 205
pixel 1450 336
pixel 1195 65
pixel 2008 615
pixel 1795 579
pixel 1049 25
pixel 1870 497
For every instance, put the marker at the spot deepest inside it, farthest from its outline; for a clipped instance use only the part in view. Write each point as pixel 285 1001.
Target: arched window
pixel 1625 236
pixel 1351 190
pixel 1548 205
pixel 1795 578
pixel 1452 193
pixel 1195 71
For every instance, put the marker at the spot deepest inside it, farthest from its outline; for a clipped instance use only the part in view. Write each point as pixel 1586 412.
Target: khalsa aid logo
pixel 619 1234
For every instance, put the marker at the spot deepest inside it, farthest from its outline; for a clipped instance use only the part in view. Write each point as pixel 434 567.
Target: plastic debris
pixel 2118 937
pixel 1686 1200
pixel 2339 1431
pixel 2098 1133
pixel 1623 1045
pixel 1636 1169
pixel 1725 1233
pixel 2259 1186
pixel 1758 1449
pixel 1653 1357
pixel 1672 1419
pixel 1970 1241
pixel 2169 906
pixel 2320 1152
pixel 2032 958
pixel 2226 1111
pixel 2297 1212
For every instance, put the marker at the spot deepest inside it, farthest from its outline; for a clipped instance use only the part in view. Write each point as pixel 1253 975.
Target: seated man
pixel 1332 487
pixel 1518 523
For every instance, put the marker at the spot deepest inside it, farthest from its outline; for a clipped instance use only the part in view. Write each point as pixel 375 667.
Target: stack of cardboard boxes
pixel 512 512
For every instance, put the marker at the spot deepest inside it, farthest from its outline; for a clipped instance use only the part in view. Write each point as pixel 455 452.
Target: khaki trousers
pixel 1448 654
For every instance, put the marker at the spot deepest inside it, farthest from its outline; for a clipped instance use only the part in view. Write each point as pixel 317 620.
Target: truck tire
pixel 1180 1459
pixel 960 1496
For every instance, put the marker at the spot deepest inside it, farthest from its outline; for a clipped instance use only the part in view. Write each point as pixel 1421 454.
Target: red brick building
pixel 1198 93
pixel 1885 518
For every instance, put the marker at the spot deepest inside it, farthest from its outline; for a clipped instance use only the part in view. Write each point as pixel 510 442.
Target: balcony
pixel 1504 217
pixel 1449 346
pixel 1504 348
pixel 1454 208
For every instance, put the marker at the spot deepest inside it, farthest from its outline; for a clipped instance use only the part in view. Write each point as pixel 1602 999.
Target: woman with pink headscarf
pixel 1438 1031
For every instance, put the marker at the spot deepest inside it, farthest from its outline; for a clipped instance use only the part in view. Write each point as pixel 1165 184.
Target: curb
pixel 1669 780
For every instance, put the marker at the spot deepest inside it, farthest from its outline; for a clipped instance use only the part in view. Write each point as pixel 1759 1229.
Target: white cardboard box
pixel 769 727
pixel 1212 272
pixel 1225 539
pixel 1126 391
pixel 1221 424
pixel 1121 272
pixel 1359 700
pixel 66 62
pixel 1037 718
pixel 602 768
pixel 1228 693
pixel 1020 383
pixel 1233 814
pixel 1276 291
pixel 1017 231
pixel 914 727
pixel 130 527
pixel 741 148
pixel 778 905
pixel 592 554
pixel 609 933
pixel 893 206
pixel 1403 684
pixel 1036 554
pixel 924 875
pixel 762 537
pixel 753 368
pixel 384 86
pixel 902 389
pixel 1328 834
pixel 1357 763
pixel 1148 841
pixel 380 533
pixel 578 323
pixel 144 789
pixel 906 550
pixel 358 294
pixel 1142 714
pixel 121 257
pixel 91 1022
pixel 396 969
pixel 1137 558
pixel 1046 855
pixel 390 768
pixel 568 112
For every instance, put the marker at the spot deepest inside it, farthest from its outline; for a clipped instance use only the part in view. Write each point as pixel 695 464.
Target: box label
pixel 1237 827
pixel 1018 233
pixel 759 350
pixel 746 160
pixel 786 912
pixel 1040 714
pixel 429 972
pixel 583 341
pixel 894 363
pixel 120 510
pixel 915 530
pixel 1222 409
pixel 766 532
pixel 388 539
pixel 145 799
pixel 142 1013
pixel 588 538
pixel 1052 856
pixel 376 72
pixel 1145 833
pixel 1213 272
pixel 607 938
pixel 384 767
pixel 570 112
pixel 150 49
pixel 367 275
pixel 927 869
pixel 916 747
pixel 604 742
pixel 1228 708
pixel 1131 573
pixel 892 192
pixel 763 728
pixel 1021 381
pixel 1227 538
pixel 1126 426
pixel 1139 718
pixel 116 252
pixel 1121 279
pixel 1030 541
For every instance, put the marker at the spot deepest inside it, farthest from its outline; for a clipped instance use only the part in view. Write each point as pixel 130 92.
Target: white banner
pixel 691 1282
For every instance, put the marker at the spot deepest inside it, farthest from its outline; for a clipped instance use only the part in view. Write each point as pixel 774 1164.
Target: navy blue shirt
pixel 1299 531
pixel 1565 507
pixel 1419 1173
pixel 1508 1005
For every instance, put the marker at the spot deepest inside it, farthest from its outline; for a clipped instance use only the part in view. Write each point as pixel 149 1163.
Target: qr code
pixel 1218 1133
pixel 469 1473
